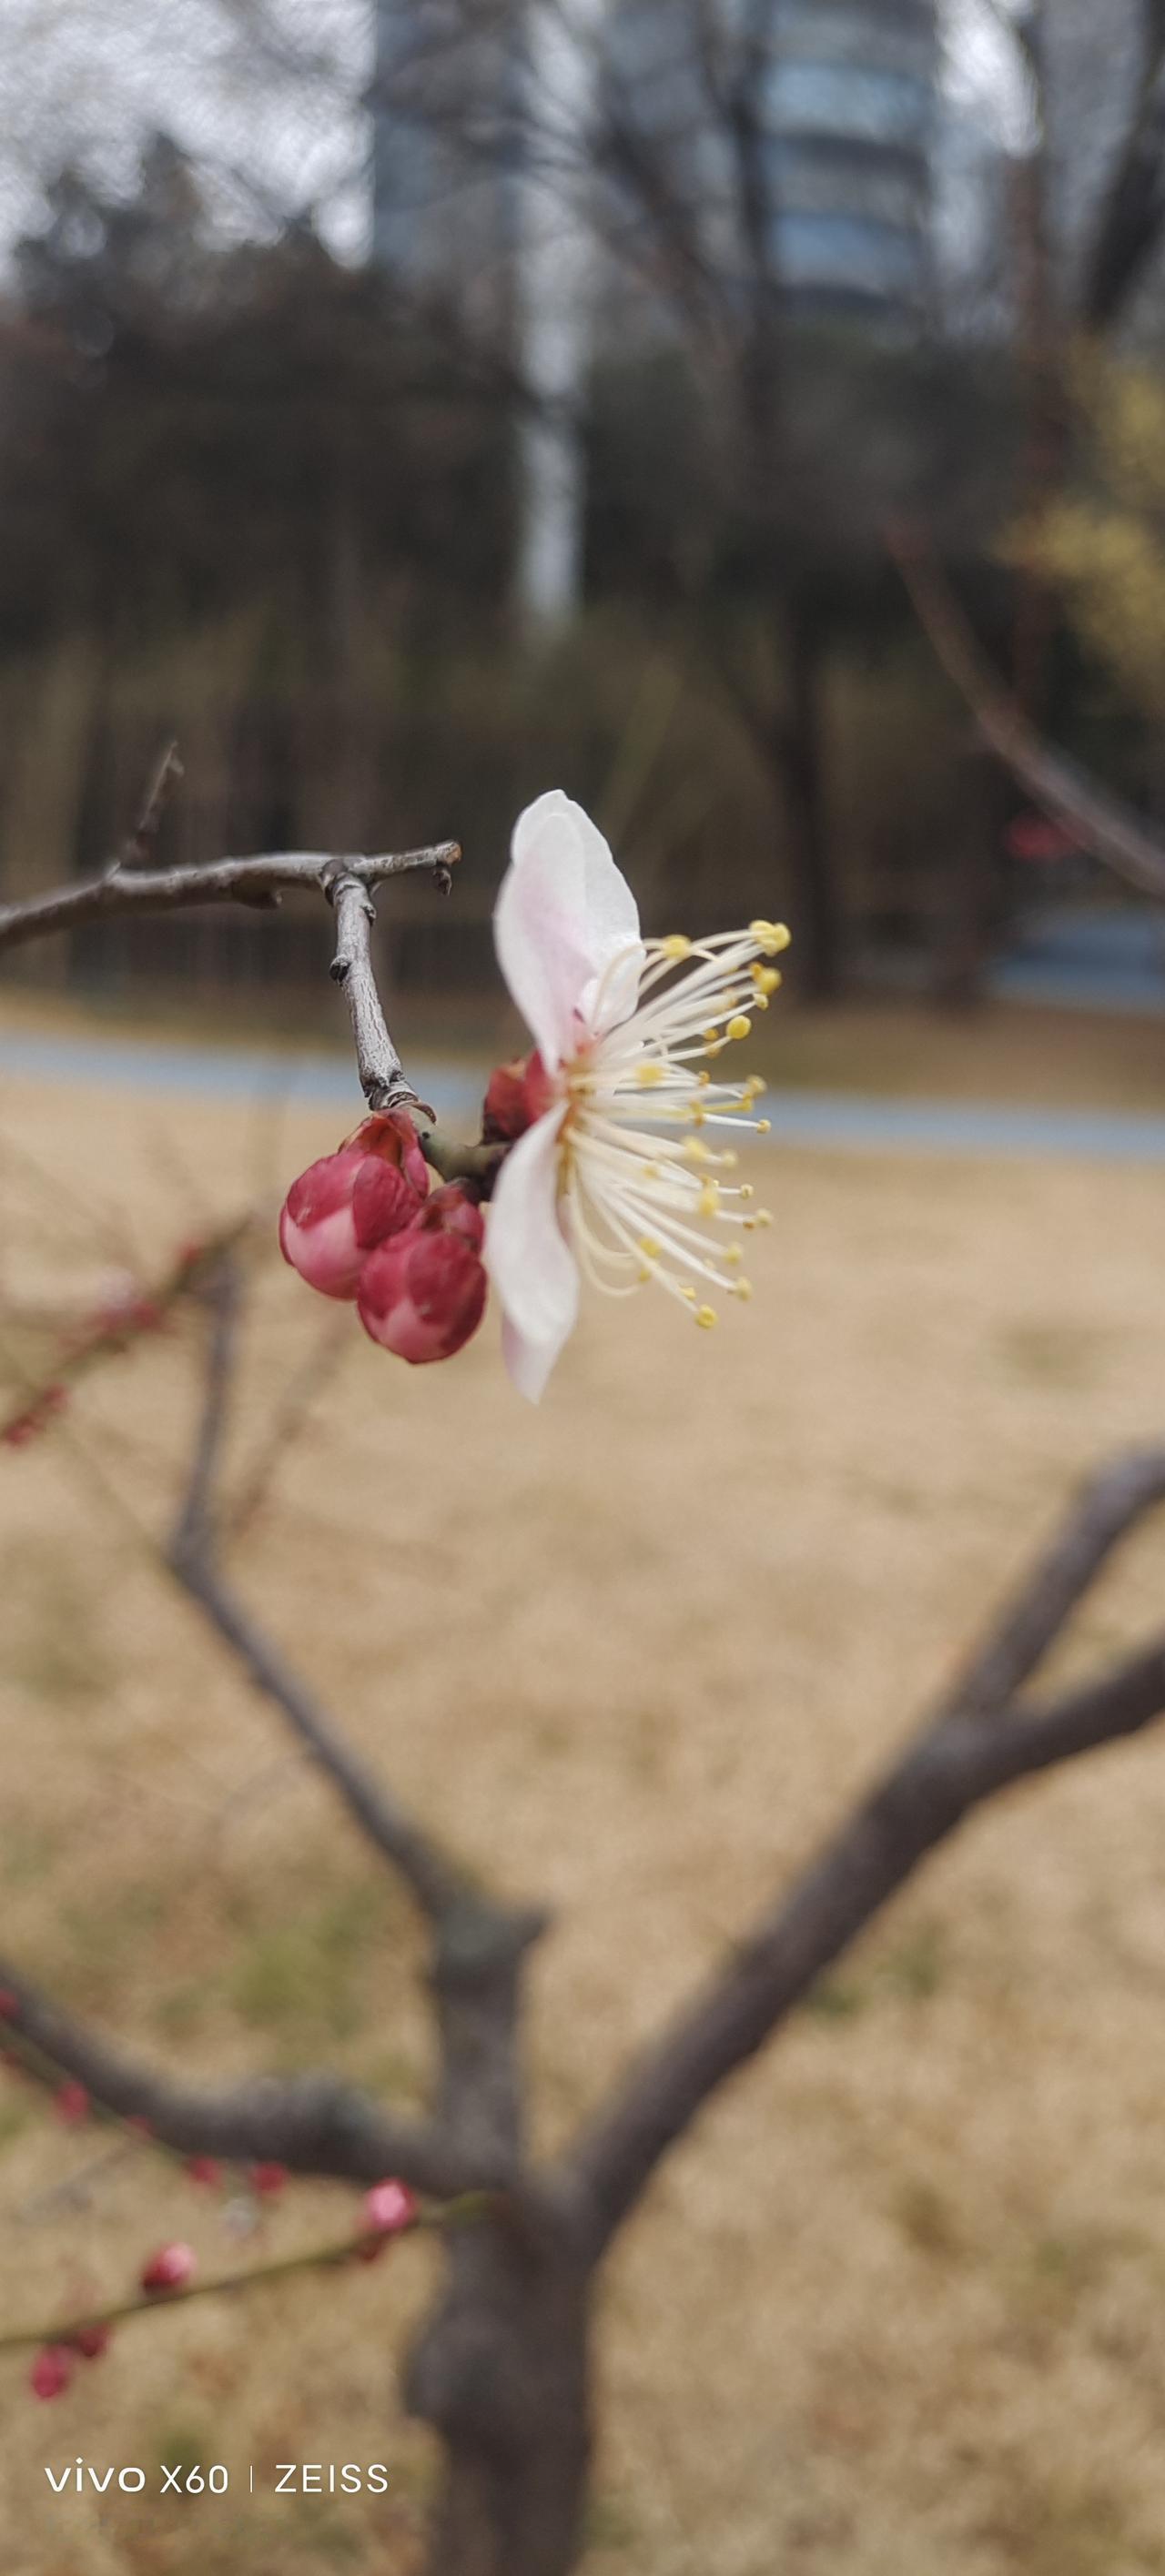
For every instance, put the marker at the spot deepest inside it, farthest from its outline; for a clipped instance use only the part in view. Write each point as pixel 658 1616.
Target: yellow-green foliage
pixel 1104 544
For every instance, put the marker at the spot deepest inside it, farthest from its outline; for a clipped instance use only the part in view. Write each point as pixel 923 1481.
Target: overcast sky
pixel 85 78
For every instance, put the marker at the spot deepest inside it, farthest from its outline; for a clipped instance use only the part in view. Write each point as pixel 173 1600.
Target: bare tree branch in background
pixel 1094 817
pixel 982 1740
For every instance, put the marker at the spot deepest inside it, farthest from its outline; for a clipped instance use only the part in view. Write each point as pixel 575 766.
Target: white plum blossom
pixel 616 1179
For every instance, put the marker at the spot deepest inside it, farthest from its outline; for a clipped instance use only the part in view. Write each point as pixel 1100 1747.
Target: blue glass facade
pixel 850 101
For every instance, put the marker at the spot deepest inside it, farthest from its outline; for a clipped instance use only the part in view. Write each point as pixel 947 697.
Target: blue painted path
pixel 843 1121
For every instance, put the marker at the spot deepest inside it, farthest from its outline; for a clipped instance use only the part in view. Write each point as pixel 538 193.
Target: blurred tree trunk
pixel 969 934
pixel 799 762
pixel 46 783
pixel 501 2373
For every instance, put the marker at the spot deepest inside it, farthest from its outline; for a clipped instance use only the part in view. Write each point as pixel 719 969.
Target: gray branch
pixel 478 1943
pixel 382 1075
pixel 193 1558
pixel 122 891
pixel 981 1741
pixel 312 2123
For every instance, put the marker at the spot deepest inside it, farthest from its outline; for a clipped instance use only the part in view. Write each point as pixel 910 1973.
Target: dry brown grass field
pixel 898 2306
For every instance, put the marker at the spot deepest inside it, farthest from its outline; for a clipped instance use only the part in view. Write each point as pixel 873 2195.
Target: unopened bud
pixel 518 1095
pixel 423 1294
pixel 338 1211
pixel 51 2371
pixel 171 2268
pixel 268 2180
pixel 389 2208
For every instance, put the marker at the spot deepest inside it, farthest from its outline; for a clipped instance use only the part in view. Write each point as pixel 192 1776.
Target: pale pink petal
pixel 564 915
pixel 529 1261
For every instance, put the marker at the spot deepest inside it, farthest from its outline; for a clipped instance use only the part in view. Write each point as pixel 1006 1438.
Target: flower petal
pixel 565 914
pixel 531 1264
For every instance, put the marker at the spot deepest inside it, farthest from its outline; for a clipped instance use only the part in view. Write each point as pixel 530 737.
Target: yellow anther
pixel 746 1190
pixel 764 1126
pixel 733 1256
pixel 675 946
pixel 761 1003
pixel 749 1224
pixel 741 1288
pixel 643 1274
pixel 757 1085
pixel 765 978
pixel 649 1075
pixel 729 1161
pixel 702 1080
pixel 690 1294
pixel 769 936
pixel 705 1317
pixel 709 1199
pixel 764 1216
pixel 694 1152
pixel 649 1247
pixel 739 1027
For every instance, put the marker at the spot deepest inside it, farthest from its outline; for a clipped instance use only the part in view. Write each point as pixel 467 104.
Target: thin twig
pixel 167 773
pixel 259 881
pixel 382 1075
pixel 351 2249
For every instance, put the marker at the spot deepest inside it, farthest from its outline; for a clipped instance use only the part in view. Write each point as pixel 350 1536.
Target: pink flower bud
pixel 423 1294
pixel 170 2268
pixel 389 2208
pixel 337 1211
pixel 268 2180
pixel 51 2371
pixel 91 2341
pixel 518 1094
pixel 205 2170
pixel 71 2104
pixel 392 1137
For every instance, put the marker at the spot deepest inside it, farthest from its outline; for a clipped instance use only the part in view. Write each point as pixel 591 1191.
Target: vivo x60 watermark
pixel 287 2477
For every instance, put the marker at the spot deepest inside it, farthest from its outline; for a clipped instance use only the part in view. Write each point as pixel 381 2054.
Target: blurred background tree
pixel 541 386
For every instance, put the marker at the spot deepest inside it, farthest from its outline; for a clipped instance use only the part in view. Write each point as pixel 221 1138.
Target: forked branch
pixel 313 2124
pixel 982 1740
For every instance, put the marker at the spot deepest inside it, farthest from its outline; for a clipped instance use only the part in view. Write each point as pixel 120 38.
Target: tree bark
pixel 799 766
pixel 501 2372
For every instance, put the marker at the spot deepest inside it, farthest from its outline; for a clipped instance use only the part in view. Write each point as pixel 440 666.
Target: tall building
pixel 481 119
pixel 850 105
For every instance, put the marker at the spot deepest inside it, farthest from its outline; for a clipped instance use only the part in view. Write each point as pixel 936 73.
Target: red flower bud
pixel 51 2371
pixel 91 2341
pixel 338 1210
pixel 170 2268
pixel 71 2104
pixel 389 2208
pixel 518 1095
pixel 204 2169
pixel 268 2180
pixel 392 1137
pixel 423 1294
pixel 9 2004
